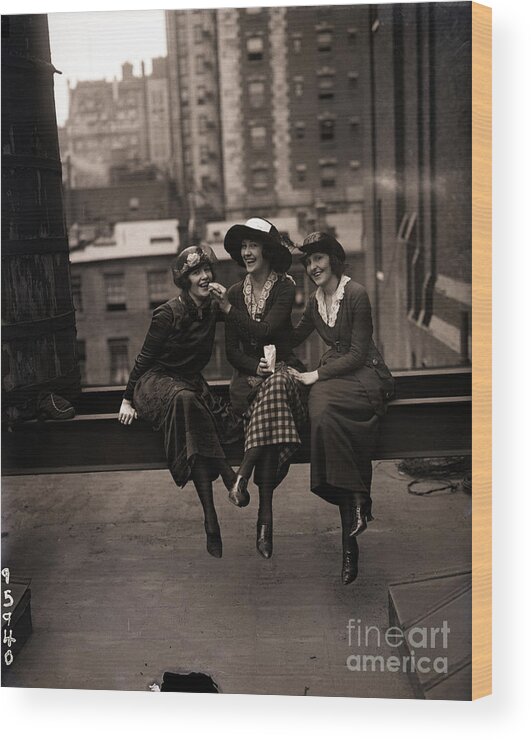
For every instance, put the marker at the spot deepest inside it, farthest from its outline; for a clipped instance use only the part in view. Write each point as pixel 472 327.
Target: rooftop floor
pixel 123 589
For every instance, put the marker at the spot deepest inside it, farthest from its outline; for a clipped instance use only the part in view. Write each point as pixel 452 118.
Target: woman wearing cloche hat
pixel 258 316
pixel 349 390
pixel 167 389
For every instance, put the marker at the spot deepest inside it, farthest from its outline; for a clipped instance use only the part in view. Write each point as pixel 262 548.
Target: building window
pixel 352 35
pixel 354 126
pixel 81 359
pixel 326 87
pixel 298 88
pixel 301 172
pixel 258 137
pixel 203 124
pixel 119 361
pixel 198 34
pixel 327 129
pixel 255 48
pixel 259 178
pixel 328 175
pixel 199 64
pixel 324 40
pixel 134 204
pixel 256 94
pixel 300 130
pixel 201 94
pixel 77 295
pixel 204 153
pixel 353 80
pixel 115 291
pixel 157 287
pixel 297 44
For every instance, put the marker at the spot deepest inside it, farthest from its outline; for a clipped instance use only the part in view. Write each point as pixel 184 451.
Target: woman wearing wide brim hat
pixel 265 233
pixel 166 387
pixel 349 390
pixel 258 314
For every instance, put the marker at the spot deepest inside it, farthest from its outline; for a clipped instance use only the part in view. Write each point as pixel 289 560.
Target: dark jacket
pixel 245 338
pixel 180 340
pixel 351 347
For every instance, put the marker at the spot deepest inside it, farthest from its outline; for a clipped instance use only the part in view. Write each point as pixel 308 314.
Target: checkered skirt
pixel 276 416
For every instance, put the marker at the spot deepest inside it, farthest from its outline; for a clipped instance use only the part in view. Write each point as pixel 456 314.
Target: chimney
pixel 127 71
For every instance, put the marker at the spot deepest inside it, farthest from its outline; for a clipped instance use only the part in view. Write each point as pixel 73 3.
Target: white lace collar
pixel 255 309
pixel 330 318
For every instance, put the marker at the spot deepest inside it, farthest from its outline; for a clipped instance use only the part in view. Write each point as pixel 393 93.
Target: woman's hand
pixel 263 368
pixel 127 413
pixel 304 378
pixel 219 293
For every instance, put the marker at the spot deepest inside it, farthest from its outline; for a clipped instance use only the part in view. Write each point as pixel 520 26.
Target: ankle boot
pixel 349 571
pixel 264 540
pixel 359 523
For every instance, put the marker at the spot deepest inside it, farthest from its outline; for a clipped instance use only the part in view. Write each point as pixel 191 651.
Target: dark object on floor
pixel 434 614
pixel 437 474
pixel 53 406
pixel 435 467
pixel 190 683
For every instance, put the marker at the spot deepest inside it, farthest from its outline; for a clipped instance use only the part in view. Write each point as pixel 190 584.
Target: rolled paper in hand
pixel 270 354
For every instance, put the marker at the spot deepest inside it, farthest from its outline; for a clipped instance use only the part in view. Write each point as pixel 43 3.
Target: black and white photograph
pixel 237 350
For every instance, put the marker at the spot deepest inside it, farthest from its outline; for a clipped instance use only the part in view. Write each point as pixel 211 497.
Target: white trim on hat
pixel 259 224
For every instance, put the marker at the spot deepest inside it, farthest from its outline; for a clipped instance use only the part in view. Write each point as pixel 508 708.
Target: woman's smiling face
pixel 252 256
pixel 319 269
pixel 200 279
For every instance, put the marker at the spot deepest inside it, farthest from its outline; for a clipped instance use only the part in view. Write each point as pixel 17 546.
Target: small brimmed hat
pixel 264 232
pixel 190 259
pixel 319 241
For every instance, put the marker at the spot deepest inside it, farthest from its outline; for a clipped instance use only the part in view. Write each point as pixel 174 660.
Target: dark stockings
pixel 266 460
pixel 350 544
pixel 203 486
pixel 250 458
pixel 227 473
pixel 268 478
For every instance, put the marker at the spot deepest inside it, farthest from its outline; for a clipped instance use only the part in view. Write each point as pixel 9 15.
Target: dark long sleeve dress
pixel 168 390
pixel 352 392
pixel 273 409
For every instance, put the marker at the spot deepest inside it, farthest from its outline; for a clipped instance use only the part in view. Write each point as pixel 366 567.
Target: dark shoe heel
pixel 264 540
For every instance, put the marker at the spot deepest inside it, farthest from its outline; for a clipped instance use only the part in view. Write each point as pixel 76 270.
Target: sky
pixel 94 45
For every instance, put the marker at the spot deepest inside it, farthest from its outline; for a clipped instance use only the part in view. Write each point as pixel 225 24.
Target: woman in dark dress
pixel 166 387
pixel 349 391
pixel 258 314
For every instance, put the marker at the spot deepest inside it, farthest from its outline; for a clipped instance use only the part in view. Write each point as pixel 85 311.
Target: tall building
pixel 118 124
pixel 195 111
pixel 266 108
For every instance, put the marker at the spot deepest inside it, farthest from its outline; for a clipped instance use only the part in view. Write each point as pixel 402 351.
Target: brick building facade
pixel 266 109
pixel 123 123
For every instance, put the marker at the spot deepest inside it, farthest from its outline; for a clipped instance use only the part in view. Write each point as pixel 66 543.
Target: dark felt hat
pixel 319 241
pixel 263 232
